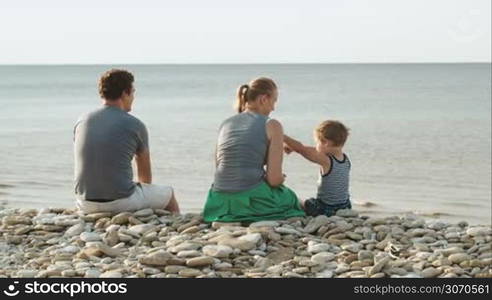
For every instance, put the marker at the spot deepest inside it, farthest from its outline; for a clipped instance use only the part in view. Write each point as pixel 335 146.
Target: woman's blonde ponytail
pixel 241 98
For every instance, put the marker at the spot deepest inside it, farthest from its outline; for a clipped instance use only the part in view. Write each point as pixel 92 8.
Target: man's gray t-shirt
pixel 105 142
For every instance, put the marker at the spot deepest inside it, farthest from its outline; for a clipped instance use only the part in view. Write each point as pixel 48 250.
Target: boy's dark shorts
pixel 315 207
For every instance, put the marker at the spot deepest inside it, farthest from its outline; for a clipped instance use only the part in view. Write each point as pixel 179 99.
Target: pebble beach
pixel 156 244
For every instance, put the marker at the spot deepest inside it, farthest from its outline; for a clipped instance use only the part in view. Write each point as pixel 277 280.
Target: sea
pixel 420 134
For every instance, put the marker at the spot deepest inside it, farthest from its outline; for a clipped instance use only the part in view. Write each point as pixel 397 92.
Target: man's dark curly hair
pixel 114 82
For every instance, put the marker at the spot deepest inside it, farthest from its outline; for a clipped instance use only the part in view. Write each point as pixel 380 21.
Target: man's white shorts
pixel 144 196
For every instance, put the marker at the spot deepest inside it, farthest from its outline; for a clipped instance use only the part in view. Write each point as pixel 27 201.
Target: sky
pixel 252 31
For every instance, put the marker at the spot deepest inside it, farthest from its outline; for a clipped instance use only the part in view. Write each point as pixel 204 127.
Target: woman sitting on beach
pixel 248 178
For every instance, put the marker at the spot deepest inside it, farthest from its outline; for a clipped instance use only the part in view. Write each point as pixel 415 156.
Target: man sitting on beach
pixel 105 142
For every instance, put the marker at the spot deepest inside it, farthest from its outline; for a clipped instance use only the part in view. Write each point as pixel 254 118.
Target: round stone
pixel 188 272
pixel 317 248
pixel 365 254
pixel 200 261
pixel 90 237
pixel 189 253
pixel 219 251
pixel 478 231
pixel 322 257
pixel 75 230
pixel 143 212
pixel 347 213
pixel 111 274
pixel 458 258
pixel 431 272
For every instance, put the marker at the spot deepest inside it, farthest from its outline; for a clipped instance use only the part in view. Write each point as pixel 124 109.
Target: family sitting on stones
pixel 248 182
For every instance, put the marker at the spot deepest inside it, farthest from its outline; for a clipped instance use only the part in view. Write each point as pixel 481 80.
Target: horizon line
pixel 240 63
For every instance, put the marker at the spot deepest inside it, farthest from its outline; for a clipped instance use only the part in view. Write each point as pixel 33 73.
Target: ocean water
pixel 420 137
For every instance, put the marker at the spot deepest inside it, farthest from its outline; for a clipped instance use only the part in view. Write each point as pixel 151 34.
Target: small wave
pixel 41 184
pixel 365 203
pixel 459 203
pixel 432 214
pixel 6 186
pixel 27 182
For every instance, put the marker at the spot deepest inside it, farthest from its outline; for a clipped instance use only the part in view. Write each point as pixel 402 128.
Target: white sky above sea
pixel 253 31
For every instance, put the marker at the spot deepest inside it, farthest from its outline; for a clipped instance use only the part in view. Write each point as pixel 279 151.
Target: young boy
pixel 333 183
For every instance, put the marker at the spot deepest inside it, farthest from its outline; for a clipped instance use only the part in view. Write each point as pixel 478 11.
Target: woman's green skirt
pixel 260 203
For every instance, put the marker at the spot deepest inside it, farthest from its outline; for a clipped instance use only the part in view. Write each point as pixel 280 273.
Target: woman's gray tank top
pixel 241 153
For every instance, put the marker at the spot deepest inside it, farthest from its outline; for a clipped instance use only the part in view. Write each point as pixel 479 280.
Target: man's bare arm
pixel 143 166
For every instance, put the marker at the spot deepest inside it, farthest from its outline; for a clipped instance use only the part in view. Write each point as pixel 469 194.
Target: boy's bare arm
pixel 310 153
pixel 293 144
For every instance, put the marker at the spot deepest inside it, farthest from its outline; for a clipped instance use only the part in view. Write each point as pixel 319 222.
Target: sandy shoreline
pixel 153 243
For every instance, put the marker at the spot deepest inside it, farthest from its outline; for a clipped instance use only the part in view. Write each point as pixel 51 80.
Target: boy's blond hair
pixel 333 131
